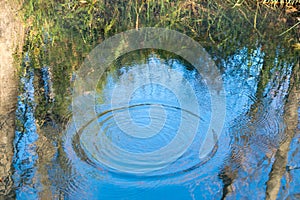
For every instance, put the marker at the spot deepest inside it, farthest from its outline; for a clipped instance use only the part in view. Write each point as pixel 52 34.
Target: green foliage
pixel 222 27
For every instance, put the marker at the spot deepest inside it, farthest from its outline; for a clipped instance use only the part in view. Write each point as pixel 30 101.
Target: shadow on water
pixel 153 108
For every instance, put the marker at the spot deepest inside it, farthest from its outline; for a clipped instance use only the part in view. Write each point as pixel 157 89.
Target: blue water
pixel 25 155
pixel 151 119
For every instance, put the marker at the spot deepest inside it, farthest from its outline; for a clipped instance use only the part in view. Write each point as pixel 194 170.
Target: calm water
pixel 152 116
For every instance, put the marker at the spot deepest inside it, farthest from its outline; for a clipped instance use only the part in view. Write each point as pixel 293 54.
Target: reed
pixel 222 27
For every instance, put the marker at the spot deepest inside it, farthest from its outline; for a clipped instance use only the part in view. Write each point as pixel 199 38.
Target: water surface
pixel 152 114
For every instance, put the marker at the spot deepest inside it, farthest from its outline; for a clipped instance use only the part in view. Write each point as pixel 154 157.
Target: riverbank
pixel 11 37
pixel 60 35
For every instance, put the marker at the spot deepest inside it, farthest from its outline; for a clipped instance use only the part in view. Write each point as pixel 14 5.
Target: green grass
pixel 222 27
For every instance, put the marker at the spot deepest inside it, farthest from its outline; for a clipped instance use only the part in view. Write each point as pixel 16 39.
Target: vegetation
pixel 61 33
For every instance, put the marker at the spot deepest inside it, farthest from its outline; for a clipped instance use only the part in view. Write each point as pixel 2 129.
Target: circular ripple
pixel 148 156
pixel 153 118
pixel 149 120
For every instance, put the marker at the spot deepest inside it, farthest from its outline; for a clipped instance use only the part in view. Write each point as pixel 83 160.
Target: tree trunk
pixel 291 122
pixel 11 36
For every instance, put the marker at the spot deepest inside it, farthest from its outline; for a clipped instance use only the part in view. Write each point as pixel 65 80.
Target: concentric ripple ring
pixel 146 38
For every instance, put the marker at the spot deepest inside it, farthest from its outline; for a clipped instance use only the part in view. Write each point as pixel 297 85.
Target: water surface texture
pixel 152 111
pixel 118 100
pixel 152 114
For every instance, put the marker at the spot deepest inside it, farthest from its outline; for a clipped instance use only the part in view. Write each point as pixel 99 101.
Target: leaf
pixel 296 46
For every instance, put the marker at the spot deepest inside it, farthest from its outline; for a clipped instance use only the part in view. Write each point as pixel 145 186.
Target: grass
pixel 73 28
